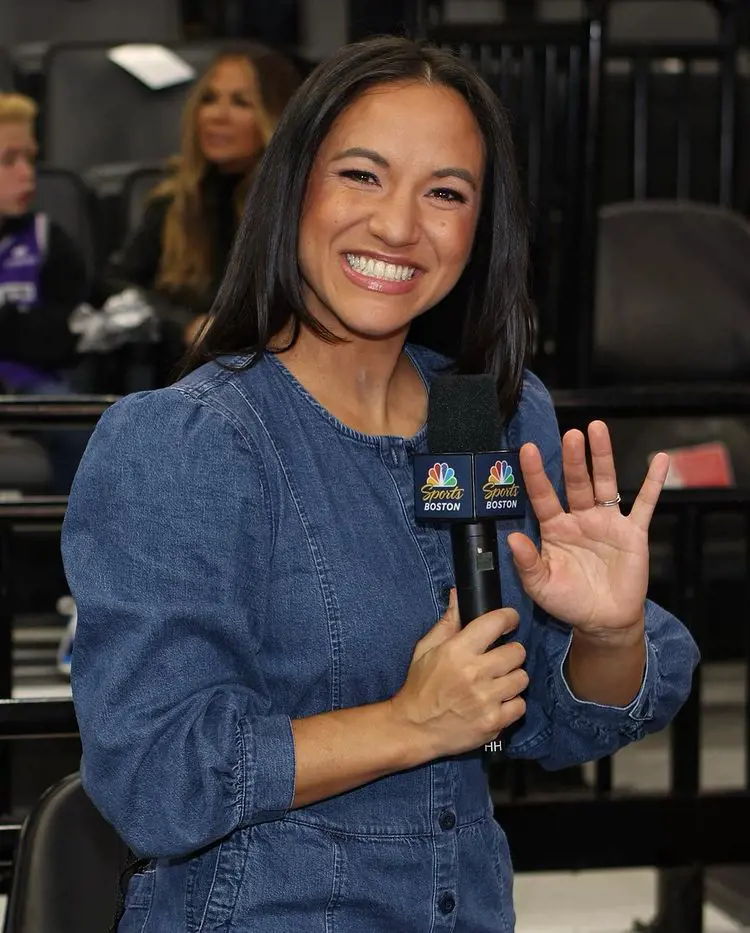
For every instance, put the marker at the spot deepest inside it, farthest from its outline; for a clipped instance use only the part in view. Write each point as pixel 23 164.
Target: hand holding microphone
pixel 458 694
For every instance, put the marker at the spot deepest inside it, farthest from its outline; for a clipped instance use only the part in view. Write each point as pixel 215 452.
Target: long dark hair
pixel 488 309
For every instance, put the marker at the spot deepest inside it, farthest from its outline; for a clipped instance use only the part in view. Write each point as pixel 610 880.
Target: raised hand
pixel 592 570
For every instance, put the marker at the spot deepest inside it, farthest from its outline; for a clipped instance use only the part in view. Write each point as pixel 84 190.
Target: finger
pixel 502 660
pixel 539 489
pixel 511 686
pixel 509 712
pixel 647 498
pixel 578 486
pixel 482 632
pixel 446 627
pixel 602 462
pixel 529 564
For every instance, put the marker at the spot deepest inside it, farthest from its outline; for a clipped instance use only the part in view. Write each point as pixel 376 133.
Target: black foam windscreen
pixel 463 415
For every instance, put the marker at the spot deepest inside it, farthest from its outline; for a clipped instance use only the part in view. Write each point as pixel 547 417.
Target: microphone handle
pixel 476 567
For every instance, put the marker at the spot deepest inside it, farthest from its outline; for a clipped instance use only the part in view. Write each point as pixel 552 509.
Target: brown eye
pixel 356 174
pixel 448 194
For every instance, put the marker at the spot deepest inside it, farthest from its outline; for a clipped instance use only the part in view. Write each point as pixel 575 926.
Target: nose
pixel 217 111
pixel 26 170
pixel 395 218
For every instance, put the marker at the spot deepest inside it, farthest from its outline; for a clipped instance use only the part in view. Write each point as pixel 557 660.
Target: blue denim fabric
pixel 240 558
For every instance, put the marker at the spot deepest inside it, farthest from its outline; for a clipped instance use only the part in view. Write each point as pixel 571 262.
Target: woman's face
pixel 17 173
pixel 229 132
pixel 391 208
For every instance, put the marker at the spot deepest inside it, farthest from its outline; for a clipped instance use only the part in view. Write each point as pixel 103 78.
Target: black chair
pixel 67 866
pixel 6 71
pixel 64 197
pixel 548 77
pixel 24 466
pixel 138 185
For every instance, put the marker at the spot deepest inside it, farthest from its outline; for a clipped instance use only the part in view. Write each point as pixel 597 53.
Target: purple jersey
pixel 22 255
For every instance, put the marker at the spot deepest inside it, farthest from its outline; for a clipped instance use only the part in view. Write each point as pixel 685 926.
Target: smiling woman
pixel 292 732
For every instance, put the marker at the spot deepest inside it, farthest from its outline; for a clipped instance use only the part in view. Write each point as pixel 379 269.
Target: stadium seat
pixel 24 466
pixel 63 196
pixel 673 309
pixel 67 866
pixel 6 71
pixel 138 185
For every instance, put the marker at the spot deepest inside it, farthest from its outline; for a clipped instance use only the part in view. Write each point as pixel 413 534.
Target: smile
pixel 377 269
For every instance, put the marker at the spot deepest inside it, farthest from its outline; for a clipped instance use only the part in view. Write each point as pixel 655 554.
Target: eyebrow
pixel 378 159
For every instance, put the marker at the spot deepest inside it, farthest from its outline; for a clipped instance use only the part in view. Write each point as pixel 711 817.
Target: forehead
pixel 16 135
pixel 232 74
pixel 414 122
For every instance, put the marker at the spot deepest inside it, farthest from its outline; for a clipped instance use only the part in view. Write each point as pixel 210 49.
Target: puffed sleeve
pixel 559 730
pixel 166 546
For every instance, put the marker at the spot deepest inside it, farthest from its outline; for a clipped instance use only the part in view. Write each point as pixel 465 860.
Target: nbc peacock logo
pixel 501 474
pixel 501 483
pixel 441 476
pixel 441 492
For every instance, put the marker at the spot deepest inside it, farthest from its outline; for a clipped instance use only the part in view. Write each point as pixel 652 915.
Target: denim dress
pixel 240 558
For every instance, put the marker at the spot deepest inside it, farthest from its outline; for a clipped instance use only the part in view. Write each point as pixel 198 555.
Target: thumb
pixel 529 564
pixel 448 625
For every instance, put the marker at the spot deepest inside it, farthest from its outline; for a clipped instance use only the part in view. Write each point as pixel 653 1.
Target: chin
pixel 376 329
pixel 15 210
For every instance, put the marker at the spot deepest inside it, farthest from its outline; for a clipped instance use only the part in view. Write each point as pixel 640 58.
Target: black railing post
pixel 680 891
pixel 747 649
pixel 6 655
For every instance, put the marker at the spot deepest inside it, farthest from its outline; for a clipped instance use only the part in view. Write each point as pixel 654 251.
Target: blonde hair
pixel 186 256
pixel 17 108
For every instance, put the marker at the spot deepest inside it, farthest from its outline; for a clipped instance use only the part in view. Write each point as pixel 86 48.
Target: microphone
pixel 466 481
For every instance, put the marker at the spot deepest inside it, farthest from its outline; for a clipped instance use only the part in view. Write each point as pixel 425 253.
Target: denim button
pixel 447 819
pixel 446 903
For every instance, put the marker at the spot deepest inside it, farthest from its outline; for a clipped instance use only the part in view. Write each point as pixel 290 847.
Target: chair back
pixel 67 866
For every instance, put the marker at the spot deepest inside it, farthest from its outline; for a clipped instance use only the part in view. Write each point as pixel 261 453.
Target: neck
pixel 367 384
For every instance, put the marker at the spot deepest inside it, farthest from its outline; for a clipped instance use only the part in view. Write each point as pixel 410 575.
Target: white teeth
pixel 376 269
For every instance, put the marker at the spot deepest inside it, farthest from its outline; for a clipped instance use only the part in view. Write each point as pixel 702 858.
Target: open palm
pixel 592 570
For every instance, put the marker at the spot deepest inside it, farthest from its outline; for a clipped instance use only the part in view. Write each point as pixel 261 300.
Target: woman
pixel 289 735
pixel 180 249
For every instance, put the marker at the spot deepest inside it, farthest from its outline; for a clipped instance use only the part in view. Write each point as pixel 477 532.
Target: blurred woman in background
pixel 180 250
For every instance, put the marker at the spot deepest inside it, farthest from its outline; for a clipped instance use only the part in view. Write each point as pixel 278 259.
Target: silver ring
pixel 608 503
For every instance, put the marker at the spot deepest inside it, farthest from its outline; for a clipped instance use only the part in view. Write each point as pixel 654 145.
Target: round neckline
pixel 372 440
